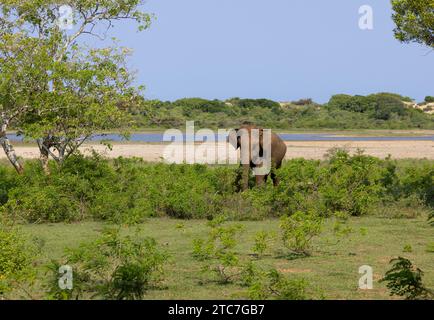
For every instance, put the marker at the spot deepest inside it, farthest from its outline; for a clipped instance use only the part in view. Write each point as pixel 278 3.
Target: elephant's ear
pixel 234 139
pixel 261 138
pixel 267 142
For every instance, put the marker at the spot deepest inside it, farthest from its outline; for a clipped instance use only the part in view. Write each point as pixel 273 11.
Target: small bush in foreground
pixel 16 260
pixel 112 267
pixel 217 251
pixel 298 231
pixel 272 284
pixel 405 280
pixel 262 239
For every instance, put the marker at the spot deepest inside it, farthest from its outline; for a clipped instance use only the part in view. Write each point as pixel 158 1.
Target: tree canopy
pixel 54 88
pixel 414 21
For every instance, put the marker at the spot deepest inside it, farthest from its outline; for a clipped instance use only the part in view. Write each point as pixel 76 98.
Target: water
pixel 158 137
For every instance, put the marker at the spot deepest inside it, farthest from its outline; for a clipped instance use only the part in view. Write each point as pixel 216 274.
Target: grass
pixel 332 268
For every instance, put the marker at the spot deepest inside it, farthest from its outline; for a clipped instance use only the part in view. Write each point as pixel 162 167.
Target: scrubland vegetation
pixel 152 221
pixel 126 229
pixel 130 190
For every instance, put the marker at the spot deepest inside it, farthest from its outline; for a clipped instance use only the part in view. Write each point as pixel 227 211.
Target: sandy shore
pixel 296 149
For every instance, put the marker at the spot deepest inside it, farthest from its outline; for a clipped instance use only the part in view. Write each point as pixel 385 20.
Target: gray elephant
pixel 254 147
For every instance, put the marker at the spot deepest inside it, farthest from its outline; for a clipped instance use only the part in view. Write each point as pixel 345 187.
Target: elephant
pixel 250 140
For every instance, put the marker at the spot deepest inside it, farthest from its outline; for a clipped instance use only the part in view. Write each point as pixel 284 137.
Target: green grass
pixel 332 269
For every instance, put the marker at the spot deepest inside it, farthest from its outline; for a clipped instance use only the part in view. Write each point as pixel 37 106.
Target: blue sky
pixel 277 49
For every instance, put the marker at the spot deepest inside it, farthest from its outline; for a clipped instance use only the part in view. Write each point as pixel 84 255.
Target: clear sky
pixel 277 49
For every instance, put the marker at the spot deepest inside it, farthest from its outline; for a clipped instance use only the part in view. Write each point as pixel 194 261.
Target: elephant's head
pixel 234 138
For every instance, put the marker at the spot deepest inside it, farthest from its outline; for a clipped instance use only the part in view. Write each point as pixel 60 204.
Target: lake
pixel 158 137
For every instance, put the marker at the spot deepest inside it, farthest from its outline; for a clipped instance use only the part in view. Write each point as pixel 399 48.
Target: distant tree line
pixel 342 111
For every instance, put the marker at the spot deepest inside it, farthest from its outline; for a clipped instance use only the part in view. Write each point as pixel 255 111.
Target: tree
pixel 57 90
pixel 414 21
pixel 19 83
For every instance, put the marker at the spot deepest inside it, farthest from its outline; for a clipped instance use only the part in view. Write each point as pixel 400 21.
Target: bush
pixel 298 231
pixel 387 105
pixel 273 285
pixel 303 102
pixel 16 260
pixel 131 190
pixel 405 280
pixel 262 239
pixel 112 267
pixel 211 106
pixel 251 103
pixel 419 180
pixel 47 204
pixel 354 183
pixel 217 251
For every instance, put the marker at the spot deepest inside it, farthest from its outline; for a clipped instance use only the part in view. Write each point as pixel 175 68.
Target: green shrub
pixel 217 251
pixel 262 239
pixel 273 285
pixel 419 180
pixel 131 190
pixel 6 183
pixel 16 260
pixel 354 183
pixel 298 231
pixel 43 204
pixel 405 280
pixel 111 267
pixel 211 106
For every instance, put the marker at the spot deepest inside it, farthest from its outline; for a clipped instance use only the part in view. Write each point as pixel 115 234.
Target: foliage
pixel 273 285
pixel 381 106
pixel 405 280
pixel 131 190
pixel 376 111
pixel 298 231
pixel 419 181
pixel 262 239
pixel 16 259
pixel 111 267
pixel 53 87
pixel 355 183
pixel 217 251
pixel 414 21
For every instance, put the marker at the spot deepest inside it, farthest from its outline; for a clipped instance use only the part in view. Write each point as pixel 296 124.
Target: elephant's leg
pixel 260 180
pixel 238 178
pixel 245 176
pixel 274 178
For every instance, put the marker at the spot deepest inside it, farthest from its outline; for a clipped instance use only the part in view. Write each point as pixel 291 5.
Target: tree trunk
pixel 43 157
pixel 44 146
pixel 8 148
